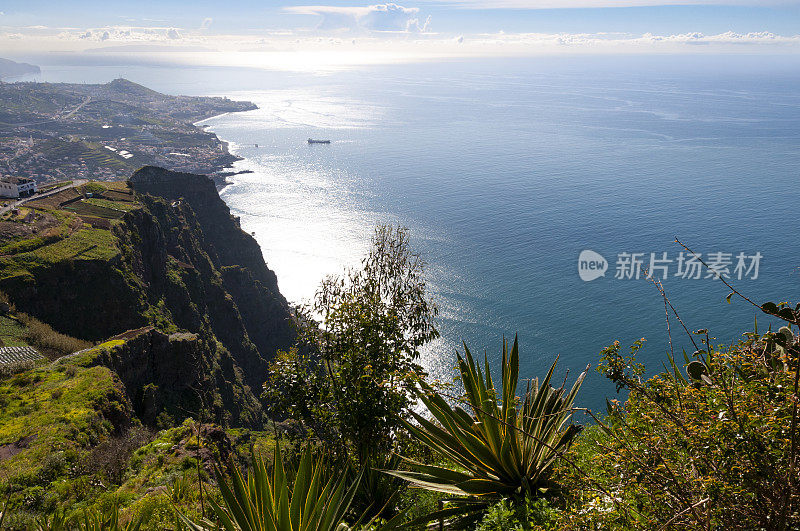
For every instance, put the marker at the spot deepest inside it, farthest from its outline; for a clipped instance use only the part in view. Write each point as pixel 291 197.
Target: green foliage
pixel 353 378
pixel 106 520
pixel 504 448
pixel 85 244
pixel 318 500
pixel 518 515
pixel 74 419
pixel 94 188
pixel 711 445
pixel 42 336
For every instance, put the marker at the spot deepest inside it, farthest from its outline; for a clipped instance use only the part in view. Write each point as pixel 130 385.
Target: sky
pixel 345 31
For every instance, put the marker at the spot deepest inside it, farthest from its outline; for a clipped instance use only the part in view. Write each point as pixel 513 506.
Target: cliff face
pixel 179 374
pixel 253 287
pixel 178 261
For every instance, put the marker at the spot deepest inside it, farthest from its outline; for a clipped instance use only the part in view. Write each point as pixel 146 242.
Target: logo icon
pixel 591 265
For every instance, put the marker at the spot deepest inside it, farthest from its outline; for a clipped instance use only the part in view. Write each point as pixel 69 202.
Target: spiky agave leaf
pixel 264 502
pixel 505 447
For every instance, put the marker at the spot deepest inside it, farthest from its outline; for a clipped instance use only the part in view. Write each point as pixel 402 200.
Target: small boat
pixel 312 141
pixel 256 145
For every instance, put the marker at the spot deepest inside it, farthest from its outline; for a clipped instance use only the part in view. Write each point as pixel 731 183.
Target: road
pixel 79 107
pixel 77 182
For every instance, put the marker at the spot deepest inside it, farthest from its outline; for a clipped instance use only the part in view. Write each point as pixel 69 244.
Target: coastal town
pixel 57 132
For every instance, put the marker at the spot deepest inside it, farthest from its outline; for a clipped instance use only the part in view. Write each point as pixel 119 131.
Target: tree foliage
pixel 352 378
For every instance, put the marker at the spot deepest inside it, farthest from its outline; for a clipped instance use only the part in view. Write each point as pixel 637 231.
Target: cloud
pixel 566 4
pixel 206 23
pixel 379 17
pixel 123 34
pixel 625 42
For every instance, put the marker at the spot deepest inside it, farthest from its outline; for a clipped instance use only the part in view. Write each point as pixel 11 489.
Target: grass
pixel 85 244
pixel 45 237
pixel 60 407
pixel 86 359
pixel 111 205
pixel 90 207
pixel 48 341
pixel 12 332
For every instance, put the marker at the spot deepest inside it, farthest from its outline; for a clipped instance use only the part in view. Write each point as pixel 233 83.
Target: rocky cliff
pixel 236 254
pixel 179 374
pixel 177 261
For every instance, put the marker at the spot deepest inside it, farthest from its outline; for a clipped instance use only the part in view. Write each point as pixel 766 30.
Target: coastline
pixel 219 175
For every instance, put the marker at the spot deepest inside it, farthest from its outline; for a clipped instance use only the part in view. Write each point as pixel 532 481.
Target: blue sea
pixel 505 170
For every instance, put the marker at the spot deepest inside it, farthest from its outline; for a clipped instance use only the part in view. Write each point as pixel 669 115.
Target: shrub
pixel 518 515
pixel 110 457
pixel 713 444
pixel 50 342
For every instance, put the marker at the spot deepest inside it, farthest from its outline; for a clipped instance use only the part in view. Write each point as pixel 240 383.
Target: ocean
pixel 506 170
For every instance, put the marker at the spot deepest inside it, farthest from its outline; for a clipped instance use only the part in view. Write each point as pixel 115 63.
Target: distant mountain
pixel 9 68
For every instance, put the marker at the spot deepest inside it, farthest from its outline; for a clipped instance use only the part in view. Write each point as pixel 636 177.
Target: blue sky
pixel 403 28
pixel 782 17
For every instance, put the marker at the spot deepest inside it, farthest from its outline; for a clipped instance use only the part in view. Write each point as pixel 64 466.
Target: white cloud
pixel 605 42
pixel 206 23
pixel 566 4
pixel 287 50
pixel 379 17
pixel 122 34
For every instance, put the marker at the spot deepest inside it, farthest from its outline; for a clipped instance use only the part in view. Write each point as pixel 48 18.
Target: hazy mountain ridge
pixel 9 69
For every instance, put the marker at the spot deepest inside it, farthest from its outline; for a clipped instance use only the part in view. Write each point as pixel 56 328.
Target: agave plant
pixel 316 501
pixel 55 522
pixel 506 447
pixel 94 520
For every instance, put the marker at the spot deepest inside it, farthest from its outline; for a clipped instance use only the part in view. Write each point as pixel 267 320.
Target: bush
pixel 51 343
pixel 508 515
pixel 110 457
pixel 713 444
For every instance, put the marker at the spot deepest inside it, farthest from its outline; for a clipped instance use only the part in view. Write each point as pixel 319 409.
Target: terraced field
pixel 93 154
pixel 9 355
pixel 90 207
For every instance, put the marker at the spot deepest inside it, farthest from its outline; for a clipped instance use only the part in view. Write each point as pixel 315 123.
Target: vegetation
pixel 502 449
pixel 48 341
pixel 318 500
pixel 711 445
pixel 352 379
pixel 86 442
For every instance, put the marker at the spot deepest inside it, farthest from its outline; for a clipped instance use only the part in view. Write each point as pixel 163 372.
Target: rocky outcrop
pixel 180 374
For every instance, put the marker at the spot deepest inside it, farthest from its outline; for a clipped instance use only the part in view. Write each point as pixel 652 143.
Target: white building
pixel 16 186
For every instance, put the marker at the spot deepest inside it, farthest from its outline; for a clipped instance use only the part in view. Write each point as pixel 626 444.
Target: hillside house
pixel 16 186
